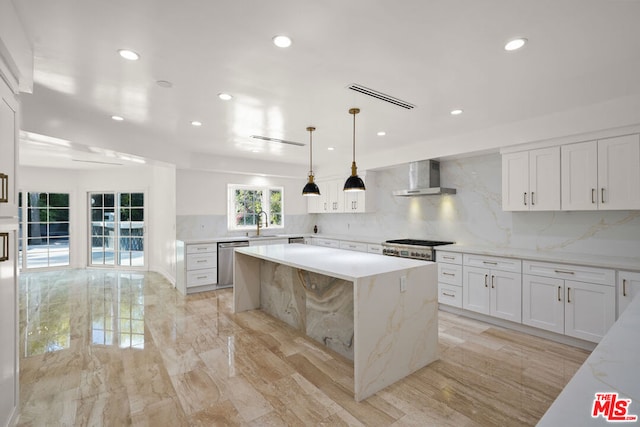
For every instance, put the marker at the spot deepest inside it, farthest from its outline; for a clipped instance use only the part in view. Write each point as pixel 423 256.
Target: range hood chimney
pixel 424 180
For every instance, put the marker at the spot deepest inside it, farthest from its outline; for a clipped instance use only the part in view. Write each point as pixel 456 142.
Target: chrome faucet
pixel 266 221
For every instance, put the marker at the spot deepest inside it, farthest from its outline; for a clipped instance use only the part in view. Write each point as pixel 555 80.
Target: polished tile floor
pixel 120 348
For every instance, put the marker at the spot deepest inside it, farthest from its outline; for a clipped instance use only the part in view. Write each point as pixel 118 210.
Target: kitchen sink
pixel 267 236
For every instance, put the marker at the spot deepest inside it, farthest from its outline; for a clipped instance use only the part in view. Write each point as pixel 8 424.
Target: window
pixel 246 202
pixel 47 225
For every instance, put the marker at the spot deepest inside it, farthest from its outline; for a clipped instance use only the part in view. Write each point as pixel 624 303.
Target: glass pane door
pixel 117 229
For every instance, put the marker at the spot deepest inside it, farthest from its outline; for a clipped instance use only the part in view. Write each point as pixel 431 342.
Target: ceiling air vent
pixel 278 140
pixel 381 96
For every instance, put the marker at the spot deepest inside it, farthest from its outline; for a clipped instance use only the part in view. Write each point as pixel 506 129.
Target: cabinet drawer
pixel 202 261
pixel 578 273
pixel 202 248
pixel 374 249
pixel 450 273
pixel 450 295
pixel 202 277
pixel 353 246
pixel 449 257
pixel 326 242
pixel 492 262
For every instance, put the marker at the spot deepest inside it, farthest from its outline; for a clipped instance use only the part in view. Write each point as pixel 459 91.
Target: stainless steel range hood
pixel 424 180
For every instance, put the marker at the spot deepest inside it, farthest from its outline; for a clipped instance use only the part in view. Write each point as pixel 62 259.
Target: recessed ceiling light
pixel 164 83
pixel 129 54
pixel 255 151
pixel 196 123
pixel 456 112
pixel 224 96
pixel 515 44
pixel 117 118
pixel 382 133
pixel 282 41
pixel 330 148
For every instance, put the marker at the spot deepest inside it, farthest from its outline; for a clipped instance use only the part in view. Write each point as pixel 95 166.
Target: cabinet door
pixel 313 203
pixel 337 195
pixel 544 179
pixel 543 303
pixel 589 310
pixel 628 288
pixel 619 172
pixel 8 153
pixel 579 172
pixel 8 320
pixel 506 295
pixel 475 289
pixel 515 181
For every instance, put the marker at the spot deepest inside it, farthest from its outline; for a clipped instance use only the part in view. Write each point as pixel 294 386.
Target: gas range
pixel 412 248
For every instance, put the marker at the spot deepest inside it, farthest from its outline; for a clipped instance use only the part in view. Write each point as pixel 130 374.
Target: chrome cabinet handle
pixel 5 247
pixel 490 262
pixel 201 277
pixel 448 274
pixel 448 257
pixel 624 287
pixel 486 277
pixel 525 198
pixel 559 291
pixel 569 295
pixel 448 295
pixel 4 188
pixel 593 195
pixel 532 198
pixel 564 272
pixel 493 281
pixel 602 195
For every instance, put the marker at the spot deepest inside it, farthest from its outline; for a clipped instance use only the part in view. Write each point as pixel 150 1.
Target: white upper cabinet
pixel 619 172
pixel 8 153
pixel 334 200
pixel 602 174
pixel 531 180
pixel 580 176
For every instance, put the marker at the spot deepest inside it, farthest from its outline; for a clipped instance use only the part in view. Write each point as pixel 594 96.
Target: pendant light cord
pixel 310 152
pixel 354 137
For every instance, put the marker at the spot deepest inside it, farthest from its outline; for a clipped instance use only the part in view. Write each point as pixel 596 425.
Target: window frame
pixel 266 205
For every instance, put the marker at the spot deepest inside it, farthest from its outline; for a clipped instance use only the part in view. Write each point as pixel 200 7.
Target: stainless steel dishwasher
pixel 225 262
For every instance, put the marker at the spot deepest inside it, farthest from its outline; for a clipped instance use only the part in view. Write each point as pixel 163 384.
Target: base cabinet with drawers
pixel 577 301
pixel 449 278
pixel 492 286
pixel 196 266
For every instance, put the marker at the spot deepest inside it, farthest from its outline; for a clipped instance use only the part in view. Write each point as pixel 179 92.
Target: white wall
pixel 202 202
pixel 158 184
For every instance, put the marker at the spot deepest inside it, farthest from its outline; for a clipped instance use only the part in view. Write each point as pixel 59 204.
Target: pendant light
pixel 354 182
pixel 311 189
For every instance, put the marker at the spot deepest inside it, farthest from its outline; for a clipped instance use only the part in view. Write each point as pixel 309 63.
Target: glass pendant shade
pixel 311 188
pixel 354 182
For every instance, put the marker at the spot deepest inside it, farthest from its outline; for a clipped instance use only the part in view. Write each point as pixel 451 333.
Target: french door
pixel 116 235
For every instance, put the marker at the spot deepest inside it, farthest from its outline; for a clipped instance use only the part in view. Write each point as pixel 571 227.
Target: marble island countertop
pixel 347 265
pixel 614 366
pixel 603 261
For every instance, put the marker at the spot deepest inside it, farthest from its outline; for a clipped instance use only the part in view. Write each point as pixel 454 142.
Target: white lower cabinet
pixel 578 309
pixel 266 241
pixel 449 278
pixel 353 246
pixel 197 266
pixel 628 288
pixel 492 292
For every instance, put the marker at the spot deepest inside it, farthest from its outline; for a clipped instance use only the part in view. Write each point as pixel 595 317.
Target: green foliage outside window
pixel 248 202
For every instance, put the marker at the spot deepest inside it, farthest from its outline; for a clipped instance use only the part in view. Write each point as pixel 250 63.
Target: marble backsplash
pixel 190 227
pixel 474 216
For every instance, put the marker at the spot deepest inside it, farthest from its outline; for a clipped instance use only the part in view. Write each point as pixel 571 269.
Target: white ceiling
pixel 436 54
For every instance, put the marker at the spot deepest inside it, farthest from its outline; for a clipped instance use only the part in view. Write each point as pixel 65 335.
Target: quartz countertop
pixel 613 366
pixel 347 265
pixel 602 261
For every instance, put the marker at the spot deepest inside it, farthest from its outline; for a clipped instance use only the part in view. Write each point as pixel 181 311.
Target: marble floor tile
pixel 114 348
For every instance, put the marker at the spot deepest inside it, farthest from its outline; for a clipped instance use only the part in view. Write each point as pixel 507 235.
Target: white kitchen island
pixel 390 304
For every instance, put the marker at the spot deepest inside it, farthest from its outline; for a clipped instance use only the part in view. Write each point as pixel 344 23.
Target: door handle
pixel 602 195
pixel 493 281
pixel 624 287
pixel 4 188
pixel 525 198
pixel 5 247
pixel 569 295
pixel 559 292
pixel 533 200
pixel 593 195
pixel 486 277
